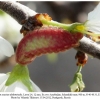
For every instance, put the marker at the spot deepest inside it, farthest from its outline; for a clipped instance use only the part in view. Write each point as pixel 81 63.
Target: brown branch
pixel 90 47
pixel 20 13
pixel 16 10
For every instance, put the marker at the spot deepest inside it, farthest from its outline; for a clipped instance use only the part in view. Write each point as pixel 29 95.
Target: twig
pixel 90 47
pixel 20 13
pixel 16 10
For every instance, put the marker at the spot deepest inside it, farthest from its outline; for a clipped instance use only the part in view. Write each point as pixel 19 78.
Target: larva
pixel 45 40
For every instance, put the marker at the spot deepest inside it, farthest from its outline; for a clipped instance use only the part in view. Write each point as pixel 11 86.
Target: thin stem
pixel 54 23
pixel 79 69
pixel 93 35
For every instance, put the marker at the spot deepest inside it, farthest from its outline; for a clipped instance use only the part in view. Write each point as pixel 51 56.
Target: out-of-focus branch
pixel 16 10
pixel 20 13
pixel 90 47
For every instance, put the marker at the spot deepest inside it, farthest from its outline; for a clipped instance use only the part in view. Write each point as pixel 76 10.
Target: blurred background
pixel 53 72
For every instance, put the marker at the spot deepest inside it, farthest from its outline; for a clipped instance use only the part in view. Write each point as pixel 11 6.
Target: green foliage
pixel 1 13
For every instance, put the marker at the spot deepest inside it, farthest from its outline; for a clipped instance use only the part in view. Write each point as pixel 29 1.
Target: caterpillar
pixel 45 40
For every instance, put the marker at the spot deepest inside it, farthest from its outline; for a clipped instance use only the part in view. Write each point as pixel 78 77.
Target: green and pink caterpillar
pixel 45 40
